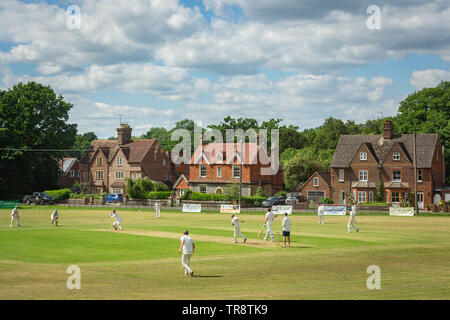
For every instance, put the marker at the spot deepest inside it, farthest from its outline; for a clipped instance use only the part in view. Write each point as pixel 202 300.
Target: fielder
pixel 270 216
pixel 352 221
pixel 117 220
pixel 286 224
pixel 158 209
pixel 187 247
pixel 320 213
pixel 237 228
pixel 15 216
pixel 54 217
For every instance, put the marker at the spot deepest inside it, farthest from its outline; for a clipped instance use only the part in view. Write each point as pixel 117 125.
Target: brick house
pixel 215 167
pixel 107 163
pixel 317 186
pixel 70 172
pixel 360 162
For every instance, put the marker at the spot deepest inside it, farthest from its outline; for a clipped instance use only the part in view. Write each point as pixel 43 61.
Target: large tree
pixel 33 133
pixel 427 111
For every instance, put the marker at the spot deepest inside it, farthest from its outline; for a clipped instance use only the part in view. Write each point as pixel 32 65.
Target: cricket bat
pixel 260 231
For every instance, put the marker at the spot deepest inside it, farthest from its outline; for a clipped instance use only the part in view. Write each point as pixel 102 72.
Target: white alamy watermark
pixel 373 22
pixel 73 17
pixel 374 281
pixel 74 280
pixel 248 147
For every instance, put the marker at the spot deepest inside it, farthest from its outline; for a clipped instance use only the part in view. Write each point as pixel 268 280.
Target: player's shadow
pixel 197 276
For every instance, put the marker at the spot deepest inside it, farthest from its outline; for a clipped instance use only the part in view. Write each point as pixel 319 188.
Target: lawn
pixel 142 262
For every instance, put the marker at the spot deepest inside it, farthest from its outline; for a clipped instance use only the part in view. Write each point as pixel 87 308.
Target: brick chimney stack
pixel 124 134
pixel 388 130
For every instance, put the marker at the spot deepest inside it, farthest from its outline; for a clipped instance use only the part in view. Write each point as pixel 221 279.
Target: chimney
pixel 124 134
pixel 388 130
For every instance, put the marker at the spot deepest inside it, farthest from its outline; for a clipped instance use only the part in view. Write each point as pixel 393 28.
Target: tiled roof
pixel 348 145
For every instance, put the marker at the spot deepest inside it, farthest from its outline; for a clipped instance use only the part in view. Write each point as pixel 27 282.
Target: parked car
pixel 294 198
pixel 38 198
pixel 272 201
pixel 114 197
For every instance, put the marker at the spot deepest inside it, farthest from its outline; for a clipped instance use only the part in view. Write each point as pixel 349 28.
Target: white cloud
pixel 428 78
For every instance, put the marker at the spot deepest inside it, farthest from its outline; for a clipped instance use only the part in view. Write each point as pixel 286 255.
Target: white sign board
pixel 401 211
pixel 230 208
pixel 192 207
pixel 333 210
pixel 281 209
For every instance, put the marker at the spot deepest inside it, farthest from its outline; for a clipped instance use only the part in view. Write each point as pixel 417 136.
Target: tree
pixel 82 143
pixel 428 111
pixel 33 131
pixel 299 169
pixel 162 135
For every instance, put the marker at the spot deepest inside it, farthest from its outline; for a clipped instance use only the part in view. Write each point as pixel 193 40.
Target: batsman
pixel 270 216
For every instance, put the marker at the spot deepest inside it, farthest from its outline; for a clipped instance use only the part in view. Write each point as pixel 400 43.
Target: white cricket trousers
pixel 352 223
pixel 269 232
pixel 321 219
pixel 237 232
pixel 12 221
pixel 117 223
pixel 186 262
pixel 158 213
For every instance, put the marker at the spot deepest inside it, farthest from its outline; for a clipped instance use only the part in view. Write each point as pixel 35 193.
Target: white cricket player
pixel 270 216
pixel 286 224
pixel 15 216
pixel 117 220
pixel 352 220
pixel 320 213
pixel 187 248
pixel 158 209
pixel 237 228
pixel 54 217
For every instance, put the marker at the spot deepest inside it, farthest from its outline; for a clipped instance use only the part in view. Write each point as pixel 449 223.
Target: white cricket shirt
pixel 188 244
pixel 286 224
pixel 235 220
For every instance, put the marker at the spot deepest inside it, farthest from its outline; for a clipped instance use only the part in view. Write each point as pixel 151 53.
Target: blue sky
pixel 158 62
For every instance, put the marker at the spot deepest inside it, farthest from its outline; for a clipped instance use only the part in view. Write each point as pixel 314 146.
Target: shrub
pixel 187 195
pixel 84 195
pixel 60 194
pixel 199 196
pixel 281 194
pixel 326 200
pixel 260 192
pixel 221 197
pixel 158 194
pixel 253 200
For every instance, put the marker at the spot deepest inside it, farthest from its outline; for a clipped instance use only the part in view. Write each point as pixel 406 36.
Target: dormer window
pixel 119 161
pixel 316 182
pixel 363 156
pixel 99 161
pixel 396 156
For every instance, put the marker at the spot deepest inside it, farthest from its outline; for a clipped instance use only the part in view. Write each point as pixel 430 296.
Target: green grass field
pixel 142 262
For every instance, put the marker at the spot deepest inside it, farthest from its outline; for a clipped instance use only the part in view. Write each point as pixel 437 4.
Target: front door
pixel 420 200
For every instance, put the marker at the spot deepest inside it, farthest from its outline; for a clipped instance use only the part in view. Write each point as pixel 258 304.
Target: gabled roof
pixel 228 152
pixel 133 151
pixel 67 164
pixel 348 145
pixel 325 175
pixel 182 177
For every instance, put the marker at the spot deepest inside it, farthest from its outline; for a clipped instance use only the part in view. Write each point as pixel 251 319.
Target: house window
pixel 71 173
pixel 99 175
pixel 154 156
pixel 98 190
pixel 396 176
pixel 134 176
pixel 99 161
pixel 341 175
pixel 363 175
pixel 202 171
pixel 119 161
pixel 396 156
pixel 78 173
pixel 419 175
pixel 342 196
pixel 117 190
pixel 119 174
pixel 202 189
pixel 219 172
pixel 363 156
pixel 362 197
pixel 395 196
pixel 370 196
pixel 164 162
pixel 387 197
pixel 236 172
pixel 316 182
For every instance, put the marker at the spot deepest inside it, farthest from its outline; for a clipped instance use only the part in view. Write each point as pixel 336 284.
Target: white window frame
pixel 119 175
pixel 154 156
pixel 238 168
pixel 99 161
pixel 117 190
pixel 164 162
pixel 365 175
pixel 99 175
pixel 201 168
pixel 362 196
pixel 419 176
pixel 201 187
pixel 341 175
pixel 219 172
pixel 363 156
pixel 393 197
pixel 71 173
pixel 396 156
pixel 370 196
pixel 316 182
pixel 394 179
pixel 78 173
pixel 119 162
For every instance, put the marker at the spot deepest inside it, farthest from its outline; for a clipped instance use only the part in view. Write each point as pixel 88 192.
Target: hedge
pixel 158 194
pixel 61 194
pixel 84 195
pixel 200 196
pixel 253 200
